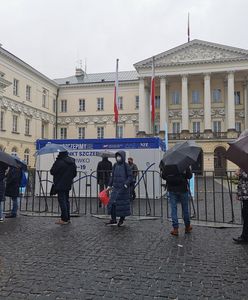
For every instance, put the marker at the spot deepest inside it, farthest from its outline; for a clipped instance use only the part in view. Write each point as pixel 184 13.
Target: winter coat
pixel 242 188
pixel 104 169
pixel 178 183
pixel 63 170
pixel 13 182
pixel 3 168
pixel 134 170
pixel 120 195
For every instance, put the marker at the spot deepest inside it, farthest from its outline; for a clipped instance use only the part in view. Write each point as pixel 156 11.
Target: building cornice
pixel 98 84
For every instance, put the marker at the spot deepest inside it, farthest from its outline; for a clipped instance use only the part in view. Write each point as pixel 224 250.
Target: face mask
pixel 118 158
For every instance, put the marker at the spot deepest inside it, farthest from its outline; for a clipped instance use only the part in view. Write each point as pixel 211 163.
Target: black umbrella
pixel 21 163
pixel 177 159
pixel 8 159
pixel 238 151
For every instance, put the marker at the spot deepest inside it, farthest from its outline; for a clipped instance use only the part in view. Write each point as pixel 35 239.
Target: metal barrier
pixel 213 199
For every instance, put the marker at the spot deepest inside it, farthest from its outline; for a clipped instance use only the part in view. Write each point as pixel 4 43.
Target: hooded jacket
pixel 63 170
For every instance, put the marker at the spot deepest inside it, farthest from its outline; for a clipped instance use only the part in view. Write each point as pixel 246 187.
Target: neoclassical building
pixel 201 94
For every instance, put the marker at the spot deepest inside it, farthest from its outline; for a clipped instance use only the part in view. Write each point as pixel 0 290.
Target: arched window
pixel 26 156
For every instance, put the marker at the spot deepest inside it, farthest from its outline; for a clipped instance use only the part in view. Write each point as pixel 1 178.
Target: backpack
pixel 24 179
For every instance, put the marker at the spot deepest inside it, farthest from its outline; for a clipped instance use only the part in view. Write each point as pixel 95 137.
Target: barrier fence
pixel 213 200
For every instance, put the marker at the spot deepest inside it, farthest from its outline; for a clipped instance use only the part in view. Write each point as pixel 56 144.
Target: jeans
pixel 183 198
pixel 1 209
pixel 244 234
pixel 63 198
pixel 15 201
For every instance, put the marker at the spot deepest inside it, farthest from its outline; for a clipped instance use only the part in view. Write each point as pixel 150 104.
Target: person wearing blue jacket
pixel 119 203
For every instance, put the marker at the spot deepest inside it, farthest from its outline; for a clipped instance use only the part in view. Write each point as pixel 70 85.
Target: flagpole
pixel 116 95
pixel 153 97
pixel 188 30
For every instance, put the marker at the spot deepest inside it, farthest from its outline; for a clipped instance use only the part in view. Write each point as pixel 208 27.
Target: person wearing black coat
pixel 119 203
pixel 13 182
pixel 104 169
pixel 63 170
pixel 178 191
pixel 3 169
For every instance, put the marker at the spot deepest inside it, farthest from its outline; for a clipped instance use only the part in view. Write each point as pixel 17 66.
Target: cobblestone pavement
pixel 87 260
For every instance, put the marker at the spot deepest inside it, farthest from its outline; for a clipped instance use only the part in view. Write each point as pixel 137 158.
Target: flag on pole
pixel 188 29
pixel 116 92
pixel 153 92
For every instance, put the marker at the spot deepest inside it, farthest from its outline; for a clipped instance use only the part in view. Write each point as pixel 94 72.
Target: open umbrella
pixel 51 148
pixel 177 159
pixel 8 159
pixel 105 154
pixel 238 151
pixel 21 163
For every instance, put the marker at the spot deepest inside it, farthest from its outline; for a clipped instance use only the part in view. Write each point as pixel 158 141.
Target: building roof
pixel 98 78
pixel 14 58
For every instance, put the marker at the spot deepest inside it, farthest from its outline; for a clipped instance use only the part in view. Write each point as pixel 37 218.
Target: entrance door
pixel 198 166
pixel 220 161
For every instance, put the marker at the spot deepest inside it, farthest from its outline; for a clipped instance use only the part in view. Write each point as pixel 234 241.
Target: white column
pixel 142 103
pixel 163 104
pixel 147 125
pixel 246 103
pixel 231 105
pixel 207 102
pixel 185 105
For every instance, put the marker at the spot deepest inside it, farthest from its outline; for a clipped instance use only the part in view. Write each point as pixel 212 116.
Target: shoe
pixel 1 220
pixel 61 222
pixel 174 232
pixel 120 223
pixel 7 216
pixel 240 240
pixel 111 222
pixel 188 229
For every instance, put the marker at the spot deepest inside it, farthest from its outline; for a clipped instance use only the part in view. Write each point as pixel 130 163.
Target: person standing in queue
pixel 104 169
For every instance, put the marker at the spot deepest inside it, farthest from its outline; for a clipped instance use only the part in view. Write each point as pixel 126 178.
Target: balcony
pixel 198 136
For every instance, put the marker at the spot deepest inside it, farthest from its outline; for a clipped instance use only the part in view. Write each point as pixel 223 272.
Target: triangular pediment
pixel 195 52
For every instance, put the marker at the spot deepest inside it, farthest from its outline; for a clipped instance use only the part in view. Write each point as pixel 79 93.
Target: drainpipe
pixel 56 114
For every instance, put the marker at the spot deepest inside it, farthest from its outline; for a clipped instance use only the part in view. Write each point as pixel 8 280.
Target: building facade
pixel 201 94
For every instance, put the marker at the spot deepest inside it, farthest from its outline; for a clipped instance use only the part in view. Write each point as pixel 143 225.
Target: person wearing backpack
pixel 119 203
pixel 13 183
pixel 63 170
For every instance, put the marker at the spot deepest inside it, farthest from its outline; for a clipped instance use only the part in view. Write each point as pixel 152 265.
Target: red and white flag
pixel 116 92
pixel 153 91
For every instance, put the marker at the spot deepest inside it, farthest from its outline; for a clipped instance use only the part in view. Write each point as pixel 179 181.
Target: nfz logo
pixel 144 145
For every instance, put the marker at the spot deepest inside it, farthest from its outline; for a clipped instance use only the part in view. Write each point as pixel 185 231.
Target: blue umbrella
pixel 51 148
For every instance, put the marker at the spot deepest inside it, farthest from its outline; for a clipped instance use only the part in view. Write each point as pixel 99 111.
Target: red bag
pixel 104 197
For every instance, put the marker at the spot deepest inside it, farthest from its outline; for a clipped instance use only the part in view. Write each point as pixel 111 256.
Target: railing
pixel 213 199
pixel 197 136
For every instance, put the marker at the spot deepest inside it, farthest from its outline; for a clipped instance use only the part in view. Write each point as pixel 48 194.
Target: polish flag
pixel 153 91
pixel 116 93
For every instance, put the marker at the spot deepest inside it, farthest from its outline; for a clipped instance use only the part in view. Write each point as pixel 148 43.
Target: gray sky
pixel 52 35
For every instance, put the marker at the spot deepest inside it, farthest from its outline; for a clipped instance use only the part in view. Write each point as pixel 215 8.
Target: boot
pixel 188 229
pixel 174 231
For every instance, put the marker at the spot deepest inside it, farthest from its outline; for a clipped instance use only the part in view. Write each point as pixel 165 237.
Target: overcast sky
pixel 53 35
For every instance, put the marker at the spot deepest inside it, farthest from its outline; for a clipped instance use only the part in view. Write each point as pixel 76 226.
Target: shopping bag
pixel 104 197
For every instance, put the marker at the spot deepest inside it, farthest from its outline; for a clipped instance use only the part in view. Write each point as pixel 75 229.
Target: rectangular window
pixel 196 127
pixel 42 130
pixel 54 105
pixel 44 97
pixel 217 95
pixel 157 101
pixel 28 92
pixel 81 132
pixel 238 126
pixel 81 105
pixel 156 128
pixel 16 87
pixel 176 127
pixel 63 133
pixel 100 104
pixel 2 120
pixel 100 132
pixel 175 97
pixel 237 98
pixel 27 126
pixel 63 106
pixel 120 103
pixel 216 126
pixel 15 124
pixel 54 132
pixel 195 97
pixel 136 102
pixel 120 131
pixel 136 129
